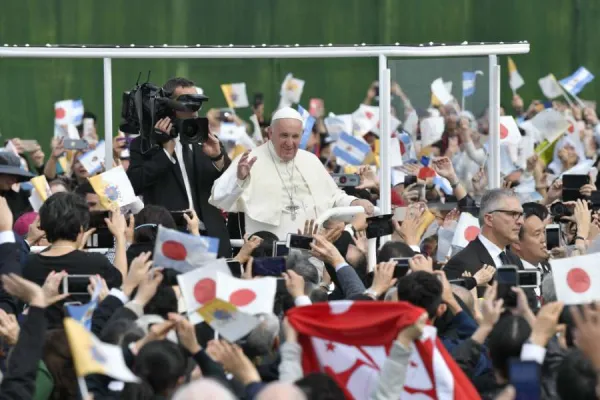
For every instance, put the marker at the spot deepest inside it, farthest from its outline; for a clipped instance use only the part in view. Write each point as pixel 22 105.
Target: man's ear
pixel 441 310
pixel 269 131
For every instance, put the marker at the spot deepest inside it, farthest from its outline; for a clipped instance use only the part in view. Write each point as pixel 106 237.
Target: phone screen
pixel 75 284
pixel 180 221
pixel 525 378
pixel 528 278
pixel 458 282
pixel 235 267
pixel 379 226
pixel 575 181
pixel 97 219
pixel 268 266
pixel 552 236
pixel 299 242
pixel 506 276
pixel 280 249
pixel 402 267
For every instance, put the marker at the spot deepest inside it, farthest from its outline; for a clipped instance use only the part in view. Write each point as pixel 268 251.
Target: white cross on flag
pixel 509 131
pixel 466 231
pixel 577 279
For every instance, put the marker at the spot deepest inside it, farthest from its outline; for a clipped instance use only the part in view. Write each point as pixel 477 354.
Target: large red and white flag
pixel 577 279
pixel 350 341
pixel 466 230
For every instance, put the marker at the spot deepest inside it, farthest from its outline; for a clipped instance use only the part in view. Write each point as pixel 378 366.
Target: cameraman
pixel 180 177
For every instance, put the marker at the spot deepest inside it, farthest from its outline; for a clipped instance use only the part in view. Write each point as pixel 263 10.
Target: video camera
pixel 145 104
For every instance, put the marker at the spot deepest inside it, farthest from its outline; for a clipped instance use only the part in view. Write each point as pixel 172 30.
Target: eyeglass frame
pixel 516 215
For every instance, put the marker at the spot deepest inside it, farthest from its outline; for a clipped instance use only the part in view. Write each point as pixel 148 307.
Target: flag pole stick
pixel 462 103
pixel 83 389
pixel 564 93
pixel 581 104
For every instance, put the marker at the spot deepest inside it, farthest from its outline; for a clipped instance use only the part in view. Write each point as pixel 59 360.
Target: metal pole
pixel 385 198
pixel 108 134
pixel 494 125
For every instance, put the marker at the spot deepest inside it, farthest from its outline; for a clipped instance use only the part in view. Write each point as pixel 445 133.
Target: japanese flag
pixel 199 287
pixel 394 124
pixel 364 120
pixel 68 112
pixel 509 131
pixel 577 279
pixel 249 296
pixel 466 231
pixel 181 251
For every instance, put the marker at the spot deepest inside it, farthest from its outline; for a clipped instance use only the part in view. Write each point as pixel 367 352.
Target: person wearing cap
pixel 279 186
pixel 11 173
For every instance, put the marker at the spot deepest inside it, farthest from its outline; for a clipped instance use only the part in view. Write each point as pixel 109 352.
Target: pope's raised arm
pixel 227 190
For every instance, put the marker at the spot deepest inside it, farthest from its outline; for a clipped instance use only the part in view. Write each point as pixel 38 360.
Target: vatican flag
pixel 91 356
pixel 235 95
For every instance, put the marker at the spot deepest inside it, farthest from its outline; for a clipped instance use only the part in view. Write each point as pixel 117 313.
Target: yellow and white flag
pixel 39 194
pixel 550 86
pixel 114 188
pixel 291 91
pixel 91 356
pixel 515 80
pixel 235 95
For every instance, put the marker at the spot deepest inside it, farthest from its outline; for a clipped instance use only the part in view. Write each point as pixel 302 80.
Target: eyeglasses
pixel 516 215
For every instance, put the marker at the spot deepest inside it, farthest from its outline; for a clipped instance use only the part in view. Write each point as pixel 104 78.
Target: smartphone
pixel 101 239
pixel 226 115
pixel 75 284
pixel 346 180
pixel 529 278
pixel 97 219
pixel 178 217
pixel 458 282
pixel 507 278
pixel 552 236
pixel 525 377
pixel 280 287
pixel 298 242
pixel 75 144
pixel 88 128
pixel 268 266
pixel 235 267
pixel 409 180
pixel 575 181
pixel 402 266
pixel 380 225
pixel 280 249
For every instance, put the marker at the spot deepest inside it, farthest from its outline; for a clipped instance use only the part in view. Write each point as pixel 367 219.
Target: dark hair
pixel 393 250
pixel 159 364
pixel 266 247
pixel 320 386
pixel 63 215
pixel 84 189
pixel 532 210
pixel 576 378
pixel 151 214
pixel 59 361
pixel 60 182
pixel 319 295
pixel 421 289
pixel 121 331
pixel 162 303
pixel 174 83
pixel 91 115
pixel 506 340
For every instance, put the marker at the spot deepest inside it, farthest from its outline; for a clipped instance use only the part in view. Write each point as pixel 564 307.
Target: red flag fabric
pixel 350 341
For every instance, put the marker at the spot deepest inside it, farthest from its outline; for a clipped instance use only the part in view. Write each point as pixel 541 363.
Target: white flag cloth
pixel 411 123
pixel 466 231
pixel 550 87
pixel 337 124
pixel 576 279
pixel 364 120
pixel 181 251
pixel 432 129
pixel 92 160
pixel 509 131
pixel 441 91
pixel 550 123
pixel 68 112
pixel 291 90
pixel 252 296
pixel 515 80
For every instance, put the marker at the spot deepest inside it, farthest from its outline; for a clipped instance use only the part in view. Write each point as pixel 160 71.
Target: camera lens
pixel 343 179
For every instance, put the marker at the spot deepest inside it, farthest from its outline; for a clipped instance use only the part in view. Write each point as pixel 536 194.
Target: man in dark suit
pixel 501 220
pixel 180 176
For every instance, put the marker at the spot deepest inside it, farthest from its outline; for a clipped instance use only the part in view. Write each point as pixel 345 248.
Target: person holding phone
pixel 180 177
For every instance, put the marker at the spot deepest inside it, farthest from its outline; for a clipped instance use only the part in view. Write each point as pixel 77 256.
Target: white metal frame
pixel 296 51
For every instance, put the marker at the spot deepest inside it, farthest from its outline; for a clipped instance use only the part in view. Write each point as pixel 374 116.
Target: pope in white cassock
pixel 279 186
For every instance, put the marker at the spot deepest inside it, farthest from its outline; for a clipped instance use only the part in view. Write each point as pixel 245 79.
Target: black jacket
pixel 472 258
pixel 10 255
pixel 159 181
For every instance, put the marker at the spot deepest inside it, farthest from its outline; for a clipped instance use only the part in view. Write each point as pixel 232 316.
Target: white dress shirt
pixel 527 265
pixel 186 180
pixel 492 249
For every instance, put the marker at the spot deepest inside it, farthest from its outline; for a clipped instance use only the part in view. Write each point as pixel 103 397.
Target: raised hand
pixel 244 166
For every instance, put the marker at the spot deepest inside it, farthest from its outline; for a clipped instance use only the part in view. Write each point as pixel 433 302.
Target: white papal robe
pixel 263 199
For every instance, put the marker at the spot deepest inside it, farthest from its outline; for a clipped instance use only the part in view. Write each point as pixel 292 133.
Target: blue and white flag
pixel 443 184
pixel 183 252
pixel 350 150
pixel 309 122
pixel 83 313
pixel 469 82
pixel 575 83
pixel 407 148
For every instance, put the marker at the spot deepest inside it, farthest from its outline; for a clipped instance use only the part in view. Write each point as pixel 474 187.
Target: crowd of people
pixel 266 191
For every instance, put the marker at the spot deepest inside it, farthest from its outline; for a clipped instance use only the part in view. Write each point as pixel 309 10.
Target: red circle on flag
pixel 426 172
pixel 205 290
pixel 471 233
pixel 242 297
pixel 174 250
pixel 578 280
pixel 369 114
pixel 571 127
pixel 503 132
pixel 402 148
pixel 60 113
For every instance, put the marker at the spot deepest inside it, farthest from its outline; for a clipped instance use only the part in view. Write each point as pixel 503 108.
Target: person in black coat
pixel 179 176
pixel 501 220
